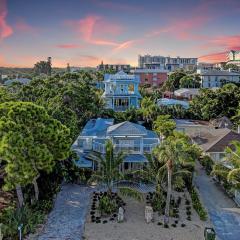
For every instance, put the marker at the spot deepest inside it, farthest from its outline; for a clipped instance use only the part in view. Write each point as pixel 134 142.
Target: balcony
pixel 126 148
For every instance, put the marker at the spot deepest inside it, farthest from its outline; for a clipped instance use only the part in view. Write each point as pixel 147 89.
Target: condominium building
pixel 168 63
pixel 233 57
pixel 217 78
pixel 151 77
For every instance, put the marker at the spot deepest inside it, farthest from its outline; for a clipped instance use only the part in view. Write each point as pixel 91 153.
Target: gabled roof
pixel 217 141
pixel 126 128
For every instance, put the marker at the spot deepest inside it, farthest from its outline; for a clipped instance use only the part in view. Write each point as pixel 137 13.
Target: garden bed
pixel 104 207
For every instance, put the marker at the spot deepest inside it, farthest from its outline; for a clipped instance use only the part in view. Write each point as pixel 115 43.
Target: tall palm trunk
pixel 36 189
pixel 20 195
pixel 169 193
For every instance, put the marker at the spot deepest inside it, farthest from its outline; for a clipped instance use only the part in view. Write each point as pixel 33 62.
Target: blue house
pixel 131 138
pixel 121 91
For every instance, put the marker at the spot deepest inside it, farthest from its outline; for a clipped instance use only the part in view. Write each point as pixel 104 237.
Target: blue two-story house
pixel 121 91
pixel 130 138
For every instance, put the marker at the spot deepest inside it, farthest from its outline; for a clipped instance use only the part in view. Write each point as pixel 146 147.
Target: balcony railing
pixel 128 148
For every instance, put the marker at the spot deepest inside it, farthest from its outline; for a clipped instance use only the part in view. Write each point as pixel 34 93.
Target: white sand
pixel 135 228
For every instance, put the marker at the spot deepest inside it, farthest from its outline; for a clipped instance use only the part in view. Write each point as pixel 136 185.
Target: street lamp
pixel 20 231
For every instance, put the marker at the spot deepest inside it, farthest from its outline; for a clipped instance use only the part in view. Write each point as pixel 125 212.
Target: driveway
pixel 66 221
pixel 223 212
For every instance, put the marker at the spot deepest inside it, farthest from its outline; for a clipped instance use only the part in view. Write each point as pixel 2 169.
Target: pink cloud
pixel 5 29
pixel 69 46
pixel 213 58
pixel 92 29
pixel 182 29
pixel 227 42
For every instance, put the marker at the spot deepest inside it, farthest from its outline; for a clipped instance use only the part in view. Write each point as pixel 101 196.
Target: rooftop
pixel 216 140
pixel 169 102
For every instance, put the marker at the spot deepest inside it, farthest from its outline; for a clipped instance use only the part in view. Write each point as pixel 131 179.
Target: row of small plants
pixel 197 205
pixel 158 204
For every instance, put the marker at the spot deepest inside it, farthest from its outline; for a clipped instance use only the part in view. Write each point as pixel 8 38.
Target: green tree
pixel 175 153
pixel 164 126
pixel 109 167
pixel 231 173
pixel 190 81
pixel 173 81
pixel 234 67
pixel 31 142
pixel 149 110
pixel 109 171
pixel 43 67
pixel 216 103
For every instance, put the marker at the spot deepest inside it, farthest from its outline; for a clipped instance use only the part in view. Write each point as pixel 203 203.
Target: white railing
pixel 149 147
pixel 129 148
pixel 99 147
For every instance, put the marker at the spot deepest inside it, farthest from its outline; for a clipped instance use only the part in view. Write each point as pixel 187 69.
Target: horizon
pixel 84 33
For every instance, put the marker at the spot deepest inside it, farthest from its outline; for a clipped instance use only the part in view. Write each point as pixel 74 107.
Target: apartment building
pixel 167 63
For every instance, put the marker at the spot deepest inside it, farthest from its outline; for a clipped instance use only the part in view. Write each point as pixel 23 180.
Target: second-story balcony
pixel 126 148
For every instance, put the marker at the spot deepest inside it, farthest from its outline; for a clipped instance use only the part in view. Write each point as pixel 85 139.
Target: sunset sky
pixel 85 32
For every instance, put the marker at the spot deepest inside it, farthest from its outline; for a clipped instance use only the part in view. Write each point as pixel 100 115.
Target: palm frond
pixel 129 192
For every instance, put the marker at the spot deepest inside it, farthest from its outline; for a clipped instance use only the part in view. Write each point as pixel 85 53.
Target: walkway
pixel 66 221
pixel 223 212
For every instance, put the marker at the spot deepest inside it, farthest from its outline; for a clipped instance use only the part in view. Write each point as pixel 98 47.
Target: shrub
pixel 107 205
pixel 166 225
pixel 174 225
pixel 183 225
pixel 11 218
pixel 207 163
pixel 197 205
pixel 158 203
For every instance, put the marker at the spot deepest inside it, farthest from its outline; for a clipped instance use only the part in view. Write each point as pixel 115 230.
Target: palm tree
pixel 109 171
pixel 175 153
pixel 149 109
pixel 231 171
pixel 164 126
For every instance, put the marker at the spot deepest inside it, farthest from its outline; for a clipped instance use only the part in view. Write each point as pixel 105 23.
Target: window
pixel 131 88
pixel 122 88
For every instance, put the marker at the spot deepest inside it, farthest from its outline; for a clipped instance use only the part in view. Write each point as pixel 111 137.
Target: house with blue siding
pixel 132 139
pixel 121 91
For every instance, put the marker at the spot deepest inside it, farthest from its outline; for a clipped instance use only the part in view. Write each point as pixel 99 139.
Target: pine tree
pixel 30 141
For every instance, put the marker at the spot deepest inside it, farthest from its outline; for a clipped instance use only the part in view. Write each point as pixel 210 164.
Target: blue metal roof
pixel 82 162
pixel 169 102
pixel 126 128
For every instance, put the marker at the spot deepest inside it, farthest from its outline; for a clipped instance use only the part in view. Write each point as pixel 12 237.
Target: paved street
pixel 224 214
pixel 66 221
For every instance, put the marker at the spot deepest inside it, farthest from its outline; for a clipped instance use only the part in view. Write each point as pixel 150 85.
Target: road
pixel 224 213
